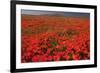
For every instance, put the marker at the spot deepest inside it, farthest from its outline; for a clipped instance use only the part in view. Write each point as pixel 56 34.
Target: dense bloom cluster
pixel 41 43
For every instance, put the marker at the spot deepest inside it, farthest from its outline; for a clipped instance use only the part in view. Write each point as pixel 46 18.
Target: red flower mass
pixel 54 38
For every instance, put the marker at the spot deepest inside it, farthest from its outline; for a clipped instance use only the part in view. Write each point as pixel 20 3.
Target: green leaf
pixel 54 43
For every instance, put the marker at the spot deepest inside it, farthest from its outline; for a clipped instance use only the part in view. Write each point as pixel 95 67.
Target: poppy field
pixel 47 38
